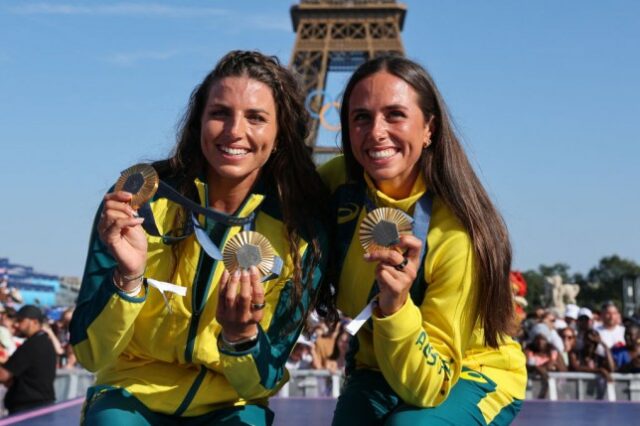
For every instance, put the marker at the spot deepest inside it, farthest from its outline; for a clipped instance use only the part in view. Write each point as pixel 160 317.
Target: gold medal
pixel 141 181
pixel 247 249
pixel 381 229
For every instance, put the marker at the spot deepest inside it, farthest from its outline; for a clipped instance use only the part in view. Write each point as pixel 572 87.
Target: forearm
pixel 611 365
pixel 103 325
pixel 412 365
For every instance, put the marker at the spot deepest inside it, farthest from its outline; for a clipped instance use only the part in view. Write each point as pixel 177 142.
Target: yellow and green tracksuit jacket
pixel 169 359
pixel 421 349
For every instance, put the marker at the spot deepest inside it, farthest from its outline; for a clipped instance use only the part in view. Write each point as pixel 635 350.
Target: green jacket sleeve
pixel 260 371
pixel 102 323
pixel 420 348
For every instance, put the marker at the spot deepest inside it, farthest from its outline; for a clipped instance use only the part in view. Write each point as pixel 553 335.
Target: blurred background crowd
pixel 591 339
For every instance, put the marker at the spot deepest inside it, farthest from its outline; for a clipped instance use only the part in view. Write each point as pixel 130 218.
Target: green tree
pixel 604 282
pixel 561 269
pixel 535 289
pixel 536 283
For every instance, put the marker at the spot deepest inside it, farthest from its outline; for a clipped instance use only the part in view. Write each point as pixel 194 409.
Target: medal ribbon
pixel 193 226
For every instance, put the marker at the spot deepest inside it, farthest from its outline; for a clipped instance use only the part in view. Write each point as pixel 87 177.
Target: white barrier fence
pixel 312 383
pixel 587 386
pixel 73 383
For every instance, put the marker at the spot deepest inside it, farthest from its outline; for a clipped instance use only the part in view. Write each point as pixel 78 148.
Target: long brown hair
pixel 450 176
pixel 289 169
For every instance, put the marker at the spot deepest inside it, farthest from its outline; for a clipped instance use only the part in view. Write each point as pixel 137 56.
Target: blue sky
pixel 545 94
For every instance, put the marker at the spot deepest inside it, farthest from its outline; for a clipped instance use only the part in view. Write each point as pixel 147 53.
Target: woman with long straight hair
pixel 214 352
pixel 437 348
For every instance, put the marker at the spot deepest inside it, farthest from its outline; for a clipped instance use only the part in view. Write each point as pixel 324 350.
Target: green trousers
pixel 368 400
pixel 114 406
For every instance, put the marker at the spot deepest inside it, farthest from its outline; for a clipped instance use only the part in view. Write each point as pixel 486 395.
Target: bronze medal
pixel 141 181
pixel 381 229
pixel 247 249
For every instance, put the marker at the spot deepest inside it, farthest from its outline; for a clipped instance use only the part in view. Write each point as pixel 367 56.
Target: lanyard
pixel 193 226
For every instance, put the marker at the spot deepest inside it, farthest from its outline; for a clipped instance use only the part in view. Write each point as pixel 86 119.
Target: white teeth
pixel 382 154
pixel 233 151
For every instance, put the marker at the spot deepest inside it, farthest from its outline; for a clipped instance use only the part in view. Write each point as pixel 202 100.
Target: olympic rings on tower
pixel 321 114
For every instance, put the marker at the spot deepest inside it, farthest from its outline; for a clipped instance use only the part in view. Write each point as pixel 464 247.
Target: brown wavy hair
pixel 450 176
pixel 290 170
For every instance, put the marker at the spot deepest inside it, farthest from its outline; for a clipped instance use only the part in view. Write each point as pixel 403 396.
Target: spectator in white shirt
pixel 611 331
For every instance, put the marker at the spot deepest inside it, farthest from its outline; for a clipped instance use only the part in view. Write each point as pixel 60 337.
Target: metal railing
pixel 587 386
pixel 312 383
pixel 73 383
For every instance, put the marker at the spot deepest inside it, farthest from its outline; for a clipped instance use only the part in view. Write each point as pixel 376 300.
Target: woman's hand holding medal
pixel 247 257
pixel 386 237
pixel 240 304
pixel 121 231
pixel 396 272
pixel 120 227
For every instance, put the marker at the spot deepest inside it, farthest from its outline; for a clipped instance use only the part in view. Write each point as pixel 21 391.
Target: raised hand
pixel 395 273
pixel 119 229
pixel 240 304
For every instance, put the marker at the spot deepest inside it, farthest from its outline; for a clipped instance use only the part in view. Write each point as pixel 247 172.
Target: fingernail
pixel 236 273
pixel 367 256
pixel 245 273
pixel 140 219
pixel 253 270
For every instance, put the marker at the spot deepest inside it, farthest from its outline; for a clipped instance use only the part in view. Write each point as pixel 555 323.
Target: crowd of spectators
pixel 599 342
pixel 582 340
pixel 33 345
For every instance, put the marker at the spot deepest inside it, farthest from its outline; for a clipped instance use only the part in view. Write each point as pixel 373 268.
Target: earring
pixel 426 144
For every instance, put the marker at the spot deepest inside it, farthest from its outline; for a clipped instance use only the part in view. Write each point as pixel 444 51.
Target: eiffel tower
pixel 339 35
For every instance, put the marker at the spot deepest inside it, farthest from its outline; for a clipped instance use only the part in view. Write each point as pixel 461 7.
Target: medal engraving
pixel 247 249
pixel 381 228
pixel 248 255
pixel 141 181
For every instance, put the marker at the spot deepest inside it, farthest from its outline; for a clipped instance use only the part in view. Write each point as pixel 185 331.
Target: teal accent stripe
pixel 507 414
pixel 195 317
pixel 285 327
pixel 192 391
pixel 97 286
pixel 86 312
pixel 276 344
pixel 198 305
pixel 135 299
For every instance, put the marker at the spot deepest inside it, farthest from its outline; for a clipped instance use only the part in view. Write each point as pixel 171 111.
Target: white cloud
pixel 132 58
pixel 117 9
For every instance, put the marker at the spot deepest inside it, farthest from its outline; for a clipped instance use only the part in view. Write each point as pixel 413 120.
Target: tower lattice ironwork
pixel 339 35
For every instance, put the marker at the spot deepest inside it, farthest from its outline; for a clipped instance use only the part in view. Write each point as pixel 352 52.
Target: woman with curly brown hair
pixel 216 354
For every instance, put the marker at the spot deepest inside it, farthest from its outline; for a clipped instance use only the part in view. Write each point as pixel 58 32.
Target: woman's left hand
pixel 396 272
pixel 240 304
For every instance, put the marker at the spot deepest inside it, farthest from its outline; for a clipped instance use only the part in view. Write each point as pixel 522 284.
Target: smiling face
pixel 238 130
pixel 388 132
